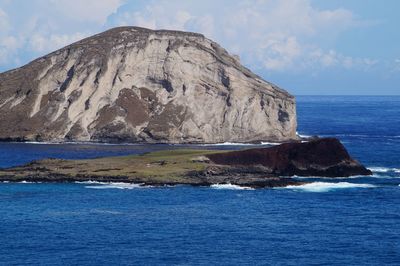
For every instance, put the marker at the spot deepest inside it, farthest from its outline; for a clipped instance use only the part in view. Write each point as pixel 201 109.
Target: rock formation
pixel 132 84
pixel 320 157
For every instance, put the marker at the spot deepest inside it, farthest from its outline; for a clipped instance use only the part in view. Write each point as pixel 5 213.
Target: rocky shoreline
pixel 255 168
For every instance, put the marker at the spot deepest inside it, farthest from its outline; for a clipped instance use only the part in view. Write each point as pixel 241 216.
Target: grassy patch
pixel 171 165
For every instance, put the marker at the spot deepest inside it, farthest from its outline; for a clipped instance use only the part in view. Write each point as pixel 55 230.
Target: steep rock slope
pixel 138 85
pixel 319 157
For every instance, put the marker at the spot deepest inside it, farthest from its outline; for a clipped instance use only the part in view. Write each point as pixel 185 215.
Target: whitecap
pixel 40 143
pixel 302 136
pixel 326 186
pixel 90 182
pixel 101 211
pixel 5 182
pixel 329 177
pixel 239 144
pixel 384 169
pixel 116 186
pixel 230 186
pixel 228 144
pixel 270 143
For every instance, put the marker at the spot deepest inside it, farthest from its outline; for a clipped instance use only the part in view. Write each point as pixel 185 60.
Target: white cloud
pixel 332 58
pixel 45 25
pixel 278 35
pixel 86 10
pixel 395 66
pixel 279 52
pixel 8 43
pixel 4 25
pixel 43 43
pixel 9 46
pixel 155 17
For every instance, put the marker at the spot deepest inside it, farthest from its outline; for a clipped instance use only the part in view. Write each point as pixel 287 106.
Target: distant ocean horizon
pixel 343 221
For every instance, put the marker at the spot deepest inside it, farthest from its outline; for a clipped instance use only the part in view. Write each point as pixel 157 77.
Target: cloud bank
pixel 270 36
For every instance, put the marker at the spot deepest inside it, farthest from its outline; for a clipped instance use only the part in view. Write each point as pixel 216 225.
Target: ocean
pixel 346 221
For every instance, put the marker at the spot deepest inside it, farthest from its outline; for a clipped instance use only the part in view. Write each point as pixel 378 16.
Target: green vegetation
pixel 171 165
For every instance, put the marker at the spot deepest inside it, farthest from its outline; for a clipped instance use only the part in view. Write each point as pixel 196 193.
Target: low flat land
pixel 169 167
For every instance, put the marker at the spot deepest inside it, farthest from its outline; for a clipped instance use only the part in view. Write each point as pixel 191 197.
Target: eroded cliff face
pixel 137 85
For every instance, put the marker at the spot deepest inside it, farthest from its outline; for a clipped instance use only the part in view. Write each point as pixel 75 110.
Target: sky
pixel 317 47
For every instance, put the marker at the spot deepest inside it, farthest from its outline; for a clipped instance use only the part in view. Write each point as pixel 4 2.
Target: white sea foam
pixel 21 182
pixel 40 143
pixel 384 169
pixel 240 144
pixel 90 182
pixel 325 186
pixel 230 186
pixel 270 143
pixel 116 185
pixel 228 144
pixel 302 136
pixel 79 143
pixel 329 178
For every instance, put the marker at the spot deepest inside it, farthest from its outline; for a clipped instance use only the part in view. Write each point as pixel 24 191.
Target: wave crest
pixel 111 185
pixel 326 186
pixel 230 186
pixel 384 169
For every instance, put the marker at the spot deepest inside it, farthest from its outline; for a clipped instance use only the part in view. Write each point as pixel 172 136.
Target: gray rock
pixel 137 85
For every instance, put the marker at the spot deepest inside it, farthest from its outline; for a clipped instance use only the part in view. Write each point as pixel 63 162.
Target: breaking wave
pixel 384 170
pixel 270 143
pixel 229 144
pixel 302 135
pixel 230 186
pixel 111 185
pixel 325 186
pixel 240 144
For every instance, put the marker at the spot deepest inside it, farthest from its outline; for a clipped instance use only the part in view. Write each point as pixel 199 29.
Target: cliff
pixel 133 84
pixel 326 157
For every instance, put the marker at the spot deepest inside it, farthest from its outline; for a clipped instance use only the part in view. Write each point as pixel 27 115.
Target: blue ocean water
pixel 351 221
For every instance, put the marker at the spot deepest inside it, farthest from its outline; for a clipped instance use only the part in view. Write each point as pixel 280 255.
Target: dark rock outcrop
pixel 325 157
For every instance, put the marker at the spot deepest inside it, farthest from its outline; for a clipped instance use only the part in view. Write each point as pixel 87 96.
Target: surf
pixel 327 186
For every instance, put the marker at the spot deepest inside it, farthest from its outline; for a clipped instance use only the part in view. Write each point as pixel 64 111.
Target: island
pixel 131 85
pixel 256 168
pixel 136 85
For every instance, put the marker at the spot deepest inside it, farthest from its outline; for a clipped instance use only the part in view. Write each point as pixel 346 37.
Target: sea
pixel 340 221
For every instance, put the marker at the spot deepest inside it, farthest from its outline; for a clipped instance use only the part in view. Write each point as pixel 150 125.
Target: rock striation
pixel 132 84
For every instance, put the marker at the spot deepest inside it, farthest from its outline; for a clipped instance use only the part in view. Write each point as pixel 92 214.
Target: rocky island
pixel 133 84
pixel 256 168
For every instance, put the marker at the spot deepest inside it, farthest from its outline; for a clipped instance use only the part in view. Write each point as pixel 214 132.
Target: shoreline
pixel 257 185
pixel 299 138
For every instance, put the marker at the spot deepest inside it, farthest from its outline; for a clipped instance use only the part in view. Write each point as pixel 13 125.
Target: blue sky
pixel 304 46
